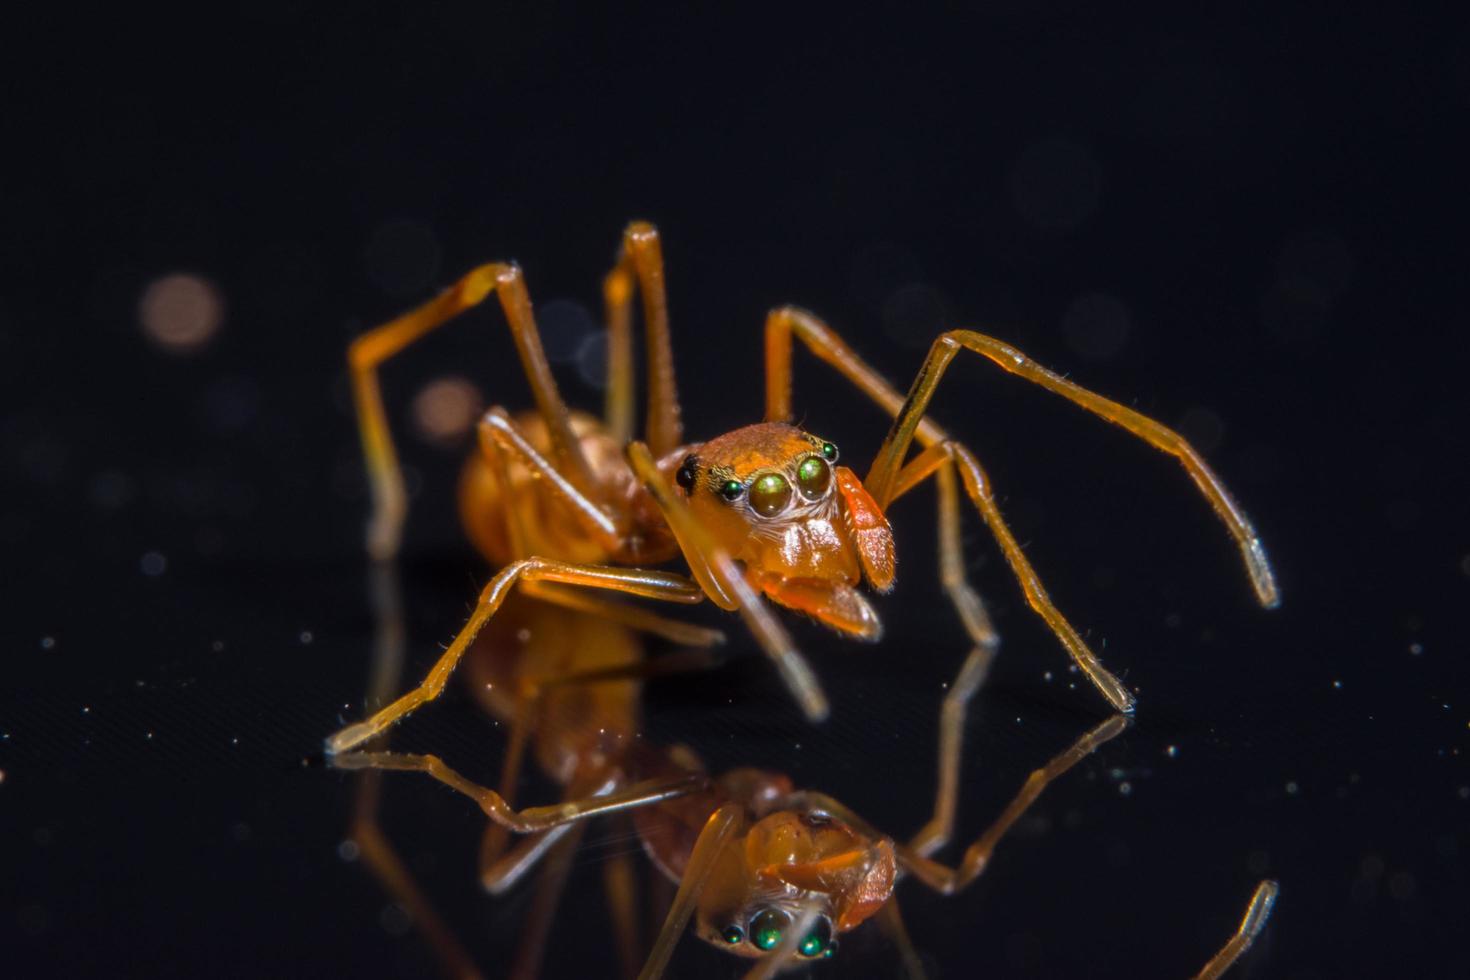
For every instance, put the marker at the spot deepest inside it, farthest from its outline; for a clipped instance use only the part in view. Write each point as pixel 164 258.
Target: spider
pixel 764 514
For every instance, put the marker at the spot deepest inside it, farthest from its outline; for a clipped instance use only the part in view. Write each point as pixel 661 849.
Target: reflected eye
pixel 813 476
pixel 769 494
pixel 766 928
pixel 819 940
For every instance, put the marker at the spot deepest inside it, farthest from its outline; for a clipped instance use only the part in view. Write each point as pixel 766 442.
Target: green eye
pixel 769 494
pixel 819 941
pixel 732 490
pixel 813 476
pixel 733 935
pixel 829 452
pixel 766 928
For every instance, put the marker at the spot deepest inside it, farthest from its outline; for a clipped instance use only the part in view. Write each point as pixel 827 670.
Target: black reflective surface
pixel 1249 226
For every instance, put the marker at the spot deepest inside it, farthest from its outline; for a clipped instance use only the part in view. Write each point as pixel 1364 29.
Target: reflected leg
pixel 948 881
pixel 365 831
pixel 716 833
pixel 1250 927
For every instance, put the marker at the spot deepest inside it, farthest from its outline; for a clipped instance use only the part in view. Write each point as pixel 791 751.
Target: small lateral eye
pixel 767 926
pixel 732 489
pixel 819 940
pixel 769 494
pixel 829 452
pixel 733 935
pixel 813 476
pixel 688 470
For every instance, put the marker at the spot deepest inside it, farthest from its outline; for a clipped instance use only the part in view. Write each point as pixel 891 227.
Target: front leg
pixel 724 583
pixel 882 479
pixel 950 455
pixel 648 584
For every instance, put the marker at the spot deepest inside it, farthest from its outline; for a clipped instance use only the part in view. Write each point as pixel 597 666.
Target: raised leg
pixel 712 839
pixel 1255 920
pixel 651 585
pixel 882 478
pixel 369 351
pixel 887 481
pixel 641 260
pixel 784 323
pixel 948 455
pixel 725 585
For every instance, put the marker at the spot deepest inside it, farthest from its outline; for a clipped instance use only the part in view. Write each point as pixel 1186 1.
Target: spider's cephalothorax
pixel 804 528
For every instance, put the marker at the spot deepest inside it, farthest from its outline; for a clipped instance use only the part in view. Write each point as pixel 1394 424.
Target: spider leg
pixel 881 479
pixel 537 926
pixel 784 323
pixel 953 455
pixel 648 584
pixel 500 871
pixel 365 831
pixel 726 586
pixel 1256 914
pixel 368 352
pixel 712 839
pixel 500 440
pixel 620 883
pixel 946 880
pixel 531 819
pixel 641 261
pixel 890 919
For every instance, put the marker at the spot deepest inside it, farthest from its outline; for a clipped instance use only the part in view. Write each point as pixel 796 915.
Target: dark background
pixel 1249 224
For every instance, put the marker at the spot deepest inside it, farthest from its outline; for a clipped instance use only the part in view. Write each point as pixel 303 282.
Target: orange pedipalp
pixel 860 881
pixel 871 534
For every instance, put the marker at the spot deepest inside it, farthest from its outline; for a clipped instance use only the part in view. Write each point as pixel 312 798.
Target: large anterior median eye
pixel 819 940
pixel 766 928
pixel 769 494
pixel 813 476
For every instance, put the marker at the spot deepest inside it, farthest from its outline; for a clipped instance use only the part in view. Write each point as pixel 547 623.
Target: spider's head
pixel 774 498
pixel 785 864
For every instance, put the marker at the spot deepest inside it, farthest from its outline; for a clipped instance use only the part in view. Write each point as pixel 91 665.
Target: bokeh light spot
pixel 180 312
pixel 446 409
